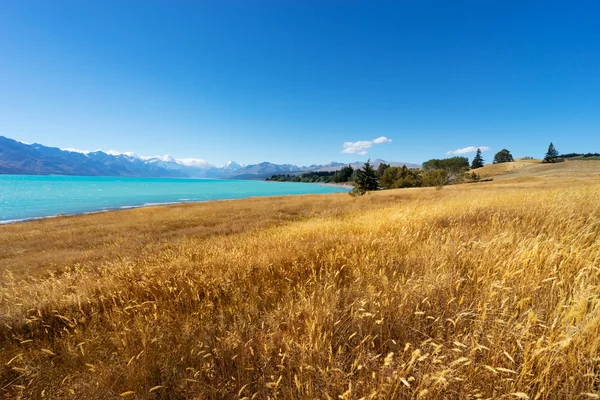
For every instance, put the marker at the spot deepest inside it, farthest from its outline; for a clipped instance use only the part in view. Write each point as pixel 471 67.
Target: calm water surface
pixel 26 196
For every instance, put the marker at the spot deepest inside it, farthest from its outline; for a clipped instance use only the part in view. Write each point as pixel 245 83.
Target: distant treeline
pixel 433 173
pixel 586 155
pixel 346 174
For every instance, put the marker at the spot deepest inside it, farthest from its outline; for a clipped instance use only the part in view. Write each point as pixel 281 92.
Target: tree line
pixel 433 173
pixel 346 174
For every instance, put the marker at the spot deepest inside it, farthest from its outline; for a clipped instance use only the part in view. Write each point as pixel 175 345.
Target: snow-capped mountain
pixel 188 166
pixel 232 166
pixel 36 159
pixel 263 170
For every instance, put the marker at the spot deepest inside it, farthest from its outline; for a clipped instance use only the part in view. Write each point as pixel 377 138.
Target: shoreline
pixel 145 205
pixel 337 185
pixel 122 208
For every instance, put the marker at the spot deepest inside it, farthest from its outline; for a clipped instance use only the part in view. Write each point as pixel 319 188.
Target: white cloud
pixel 362 146
pixel 382 139
pixel 470 149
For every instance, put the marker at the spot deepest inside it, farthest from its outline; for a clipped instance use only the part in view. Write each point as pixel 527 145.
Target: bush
pixel 435 177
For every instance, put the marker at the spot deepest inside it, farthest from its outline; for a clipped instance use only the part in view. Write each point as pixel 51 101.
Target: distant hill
pixel 263 170
pixel 531 168
pixel 579 156
pixel 37 159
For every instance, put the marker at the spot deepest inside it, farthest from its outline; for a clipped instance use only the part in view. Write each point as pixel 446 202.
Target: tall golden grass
pixel 474 291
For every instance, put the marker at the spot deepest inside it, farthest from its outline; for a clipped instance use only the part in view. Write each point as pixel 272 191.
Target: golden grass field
pixel 486 290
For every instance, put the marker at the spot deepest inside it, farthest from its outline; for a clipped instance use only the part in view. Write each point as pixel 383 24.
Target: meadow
pixel 483 290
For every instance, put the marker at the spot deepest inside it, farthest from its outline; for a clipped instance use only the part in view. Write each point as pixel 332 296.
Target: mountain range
pixel 37 159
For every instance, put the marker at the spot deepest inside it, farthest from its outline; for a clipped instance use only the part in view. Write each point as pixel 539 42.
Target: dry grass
pixel 36 247
pixel 534 168
pixel 476 291
pixel 492 170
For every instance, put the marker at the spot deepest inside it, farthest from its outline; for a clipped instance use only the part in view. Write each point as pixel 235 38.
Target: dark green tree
pixel 477 161
pixel 503 156
pixel 551 155
pixel 454 168
pixel 366 179
pixel 389 178
pixel 381 169
pixel 344 174
pixel 453 165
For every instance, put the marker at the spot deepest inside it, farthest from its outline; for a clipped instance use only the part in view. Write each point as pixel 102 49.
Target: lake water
pixel 26 196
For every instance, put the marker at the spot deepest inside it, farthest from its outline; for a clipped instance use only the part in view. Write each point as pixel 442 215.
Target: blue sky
pixel 292 81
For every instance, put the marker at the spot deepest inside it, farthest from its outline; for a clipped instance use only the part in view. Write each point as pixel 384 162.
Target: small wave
pixel 161 204
pixel 14 221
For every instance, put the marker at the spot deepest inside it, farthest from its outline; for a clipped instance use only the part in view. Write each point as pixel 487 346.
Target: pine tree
pixel 551 155
pixel 366 179
pixel 477 161
pixel 381 169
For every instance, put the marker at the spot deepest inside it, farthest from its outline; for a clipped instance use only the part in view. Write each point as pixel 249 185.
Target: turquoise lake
pixel 26 196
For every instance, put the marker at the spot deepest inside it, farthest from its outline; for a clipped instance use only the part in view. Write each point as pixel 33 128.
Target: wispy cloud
pixel 362 146
pixel 357 147
pixel 470 149
pixel 382 139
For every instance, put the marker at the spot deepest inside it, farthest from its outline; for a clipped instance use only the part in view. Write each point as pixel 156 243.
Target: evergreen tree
pixel 381 169
pixel 344 174
pixel 366 179
pixel 503 156
pixel 477 161
pixel 551 155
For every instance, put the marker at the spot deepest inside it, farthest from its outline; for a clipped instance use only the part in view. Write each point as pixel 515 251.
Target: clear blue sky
pixel 291 81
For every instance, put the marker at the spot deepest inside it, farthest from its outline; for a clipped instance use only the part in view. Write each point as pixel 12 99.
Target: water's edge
pixel 165 204
pixel 24 197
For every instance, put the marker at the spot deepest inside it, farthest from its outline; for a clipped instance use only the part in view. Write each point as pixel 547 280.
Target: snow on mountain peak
pixel 165 158
pixel 71 150
pixel 129 154
pixel 192 162
pixel 232 165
